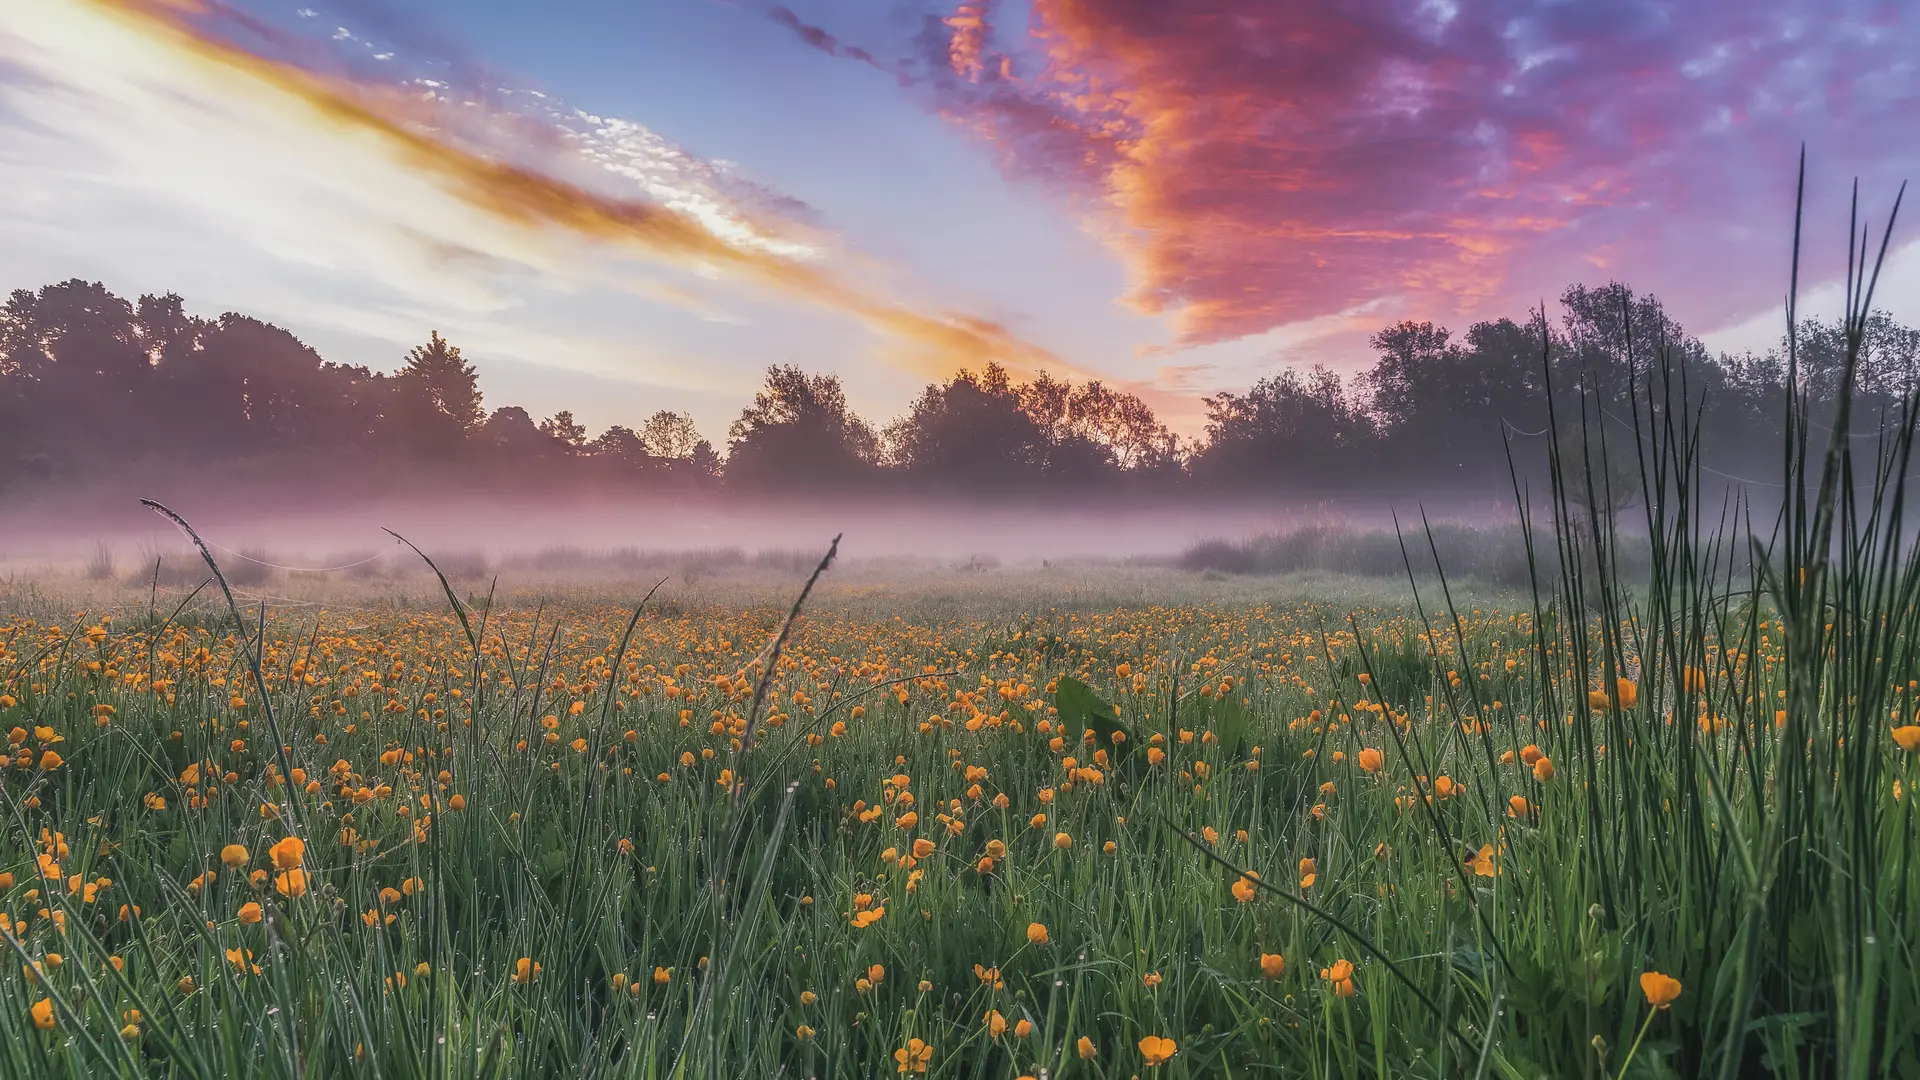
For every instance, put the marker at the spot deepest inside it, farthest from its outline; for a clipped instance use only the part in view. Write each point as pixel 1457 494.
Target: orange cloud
pixel 966 50
pixel 405 125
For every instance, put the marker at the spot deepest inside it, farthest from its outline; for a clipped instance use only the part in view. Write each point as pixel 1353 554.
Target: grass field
pixel 1639 824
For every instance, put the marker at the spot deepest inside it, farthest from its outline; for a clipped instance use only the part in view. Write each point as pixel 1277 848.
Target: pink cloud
pixel 1261 162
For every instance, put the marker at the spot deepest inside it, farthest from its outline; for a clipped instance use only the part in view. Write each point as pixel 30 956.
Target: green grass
pixel 1741 825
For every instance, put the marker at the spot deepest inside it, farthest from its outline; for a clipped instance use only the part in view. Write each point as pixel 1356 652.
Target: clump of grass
pixel 100 564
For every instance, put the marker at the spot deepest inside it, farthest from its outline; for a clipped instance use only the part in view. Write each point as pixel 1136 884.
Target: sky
pixel 616 206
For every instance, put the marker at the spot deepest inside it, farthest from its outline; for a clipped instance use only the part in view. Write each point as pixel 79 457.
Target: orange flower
pixel 235 856
pixel 996 1024
pixel 1661 990
pixel 1244 890
pixel 250 913
pixel 1598 699
pixel 1036 933
pixel 1272 965
pixel 1157 1050
pixel 914 1057
pixel 1370 760
pixel 292 883
pixel 1085 1048
pixel 1543 769
pixel 1309 873
pixel 42 1012
pixel 1482 862
pixel 288 853
pixel 1627 692
pixel 1518 806
pixel 1341 976
pixel 1907 737
pixel 525 970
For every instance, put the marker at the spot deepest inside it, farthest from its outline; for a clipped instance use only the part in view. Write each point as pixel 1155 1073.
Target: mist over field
pixel 959 539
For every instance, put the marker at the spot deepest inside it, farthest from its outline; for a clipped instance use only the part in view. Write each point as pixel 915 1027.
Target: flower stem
pixel 1635 1048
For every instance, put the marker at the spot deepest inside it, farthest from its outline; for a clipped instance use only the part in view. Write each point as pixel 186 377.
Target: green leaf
pixel 1081 709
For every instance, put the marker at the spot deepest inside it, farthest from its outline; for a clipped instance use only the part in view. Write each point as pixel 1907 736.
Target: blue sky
pixel 1174 197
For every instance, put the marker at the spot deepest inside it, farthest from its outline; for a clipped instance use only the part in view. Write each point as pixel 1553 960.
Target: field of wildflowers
pixel 1604 828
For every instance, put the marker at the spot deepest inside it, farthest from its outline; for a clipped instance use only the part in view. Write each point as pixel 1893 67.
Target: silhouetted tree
pixel 799 434
pixel 670 436
pixel 90 383
pixel 561 428
pixel 439 396
pixel 1291 432
pixel 969 433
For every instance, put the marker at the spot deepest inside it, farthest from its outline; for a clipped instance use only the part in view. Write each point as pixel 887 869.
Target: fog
pixel 551 533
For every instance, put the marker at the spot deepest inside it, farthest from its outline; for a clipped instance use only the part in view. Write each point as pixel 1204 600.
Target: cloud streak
pixel 1260 162
pixel 478 156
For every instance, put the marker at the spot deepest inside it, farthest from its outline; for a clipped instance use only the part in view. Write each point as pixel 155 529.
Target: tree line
pixel 92 383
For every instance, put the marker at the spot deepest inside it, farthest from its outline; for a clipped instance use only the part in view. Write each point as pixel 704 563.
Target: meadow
pixel 1641 817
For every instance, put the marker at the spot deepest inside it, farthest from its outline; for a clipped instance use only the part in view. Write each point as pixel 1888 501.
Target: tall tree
pixel 799 434
pixel 670 436
pixel 443 388
pixel 1292 432
pixel 969 433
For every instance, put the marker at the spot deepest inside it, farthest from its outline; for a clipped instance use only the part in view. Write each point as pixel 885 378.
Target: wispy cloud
pixel 448 170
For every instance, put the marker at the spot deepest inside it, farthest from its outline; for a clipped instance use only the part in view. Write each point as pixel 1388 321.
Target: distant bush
pixel 1495 556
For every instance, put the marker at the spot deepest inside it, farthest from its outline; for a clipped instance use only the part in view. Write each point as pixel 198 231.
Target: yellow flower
pixel 1661 990
pixel 1157 1049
